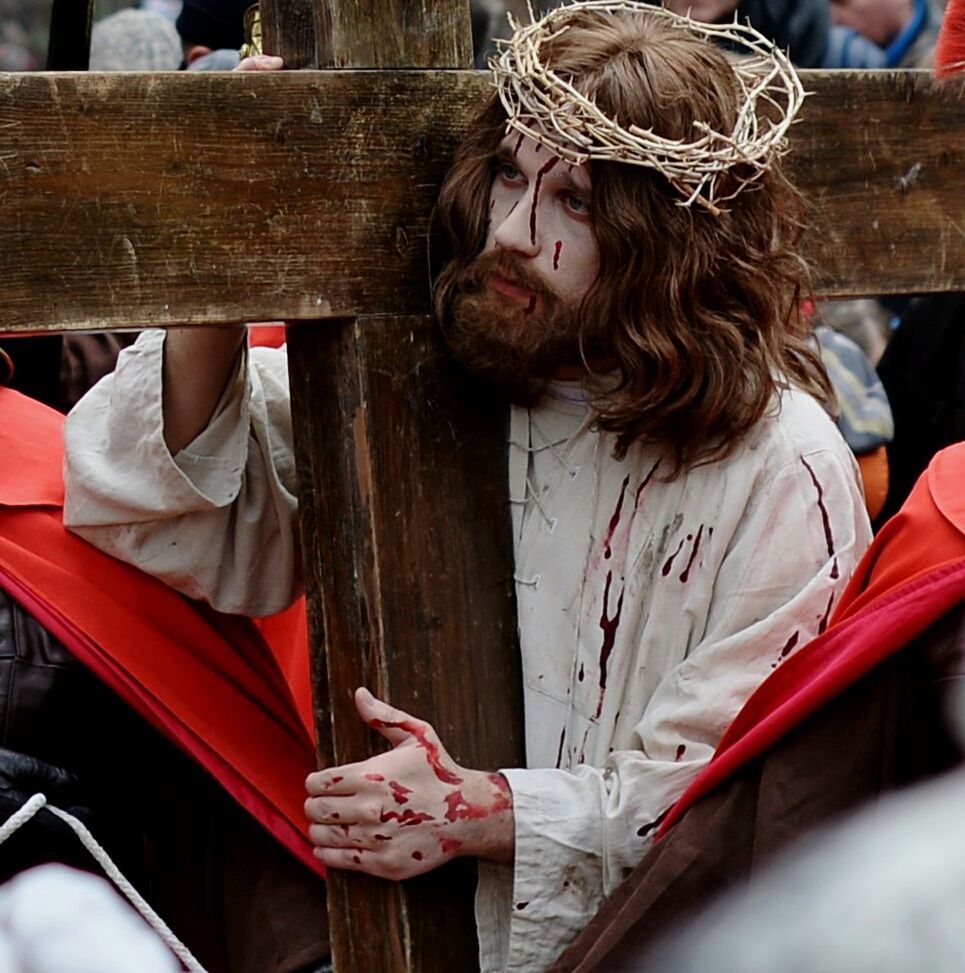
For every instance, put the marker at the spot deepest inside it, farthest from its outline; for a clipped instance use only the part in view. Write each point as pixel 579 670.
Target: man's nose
pixel 519 230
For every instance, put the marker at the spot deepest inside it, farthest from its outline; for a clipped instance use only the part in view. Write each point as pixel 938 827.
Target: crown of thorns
pixel 549 109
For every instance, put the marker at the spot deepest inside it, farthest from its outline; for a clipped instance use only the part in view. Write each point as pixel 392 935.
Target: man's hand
pixel 407 811
pixel 260 62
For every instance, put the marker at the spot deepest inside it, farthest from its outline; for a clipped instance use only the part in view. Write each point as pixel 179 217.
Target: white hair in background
pixel 54 919
pixel 884 892
pixel 135 40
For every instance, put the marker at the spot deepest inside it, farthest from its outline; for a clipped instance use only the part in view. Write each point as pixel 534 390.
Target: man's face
pixel 516 316
pixel 539 218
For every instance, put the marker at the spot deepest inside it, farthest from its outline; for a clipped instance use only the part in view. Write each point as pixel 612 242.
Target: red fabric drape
pixel 231 694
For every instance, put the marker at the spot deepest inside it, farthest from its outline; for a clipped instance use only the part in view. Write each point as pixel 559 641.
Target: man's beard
pixel 519 346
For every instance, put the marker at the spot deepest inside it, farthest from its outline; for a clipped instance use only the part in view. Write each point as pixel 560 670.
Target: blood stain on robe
pixel 823 624
pixel 382 837
pixel 668 566
pixel 399 793
pixel 825 519
pixel 643 831
pixel 693 554
pixel 356 859
pixel 643 484
pixel 417 855
pixel 521 905
pixel 557 250
pixel 582 757
pixel 559 753
pixel 378 778
pixel 681 750
pixel 539 179
pixel 614 520
pixel 789 645
pixel 609 626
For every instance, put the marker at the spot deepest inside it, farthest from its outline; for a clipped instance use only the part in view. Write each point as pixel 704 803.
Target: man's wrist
pixel 487 817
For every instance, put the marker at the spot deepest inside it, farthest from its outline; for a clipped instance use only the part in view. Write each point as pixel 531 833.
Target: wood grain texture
pixel 407 554
pixel 153 200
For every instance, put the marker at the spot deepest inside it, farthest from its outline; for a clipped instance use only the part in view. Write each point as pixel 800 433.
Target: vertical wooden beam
pixel 405 529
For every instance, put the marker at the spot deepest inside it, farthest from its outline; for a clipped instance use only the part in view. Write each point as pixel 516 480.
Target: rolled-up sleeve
pixel 216 521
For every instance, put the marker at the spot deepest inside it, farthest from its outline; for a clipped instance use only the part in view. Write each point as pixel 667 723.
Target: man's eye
pixel 509 172
pixel 576 204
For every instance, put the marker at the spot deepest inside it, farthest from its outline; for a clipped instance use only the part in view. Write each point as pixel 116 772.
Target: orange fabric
pixel 874 479
pixel 928 531
pixel 210 682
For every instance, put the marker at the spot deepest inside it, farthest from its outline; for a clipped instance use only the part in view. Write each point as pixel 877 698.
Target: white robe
pixel 648 610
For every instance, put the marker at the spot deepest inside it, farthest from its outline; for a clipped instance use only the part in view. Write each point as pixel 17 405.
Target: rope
pixel 38 801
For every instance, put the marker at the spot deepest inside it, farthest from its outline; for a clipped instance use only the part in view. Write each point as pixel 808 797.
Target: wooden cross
pixel 130 201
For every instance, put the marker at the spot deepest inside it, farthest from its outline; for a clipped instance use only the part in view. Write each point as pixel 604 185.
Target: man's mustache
pixel 500 263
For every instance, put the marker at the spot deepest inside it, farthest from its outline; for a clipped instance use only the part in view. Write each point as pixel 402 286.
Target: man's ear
pixel 194 51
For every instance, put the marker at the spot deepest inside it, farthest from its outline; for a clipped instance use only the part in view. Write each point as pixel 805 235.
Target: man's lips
pixel 511 290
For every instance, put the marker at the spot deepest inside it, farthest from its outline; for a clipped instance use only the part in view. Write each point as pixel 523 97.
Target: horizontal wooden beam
pixel 135 200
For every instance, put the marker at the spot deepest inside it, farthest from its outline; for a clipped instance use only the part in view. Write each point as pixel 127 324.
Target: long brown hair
pixel 697 316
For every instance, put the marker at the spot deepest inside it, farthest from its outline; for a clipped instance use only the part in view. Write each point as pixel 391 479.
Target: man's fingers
pixel 335 783
pixel 260 62
pixel 337 836
pixel 322 811
pixel 352 859
pixel 395 725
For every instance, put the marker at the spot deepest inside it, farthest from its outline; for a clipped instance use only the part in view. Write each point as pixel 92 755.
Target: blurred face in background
pixel 878 20
pixel 706 11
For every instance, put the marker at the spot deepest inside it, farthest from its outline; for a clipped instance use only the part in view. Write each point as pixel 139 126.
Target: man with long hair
pixel 620 243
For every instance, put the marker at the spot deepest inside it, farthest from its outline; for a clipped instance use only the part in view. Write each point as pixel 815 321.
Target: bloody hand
pixel 401 813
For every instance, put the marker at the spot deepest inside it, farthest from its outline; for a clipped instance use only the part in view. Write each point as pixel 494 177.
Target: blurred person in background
pixel 134 40
pixel 801 26
pixel 903 31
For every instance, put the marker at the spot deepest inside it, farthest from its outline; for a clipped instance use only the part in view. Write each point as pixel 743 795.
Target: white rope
pixel 38 801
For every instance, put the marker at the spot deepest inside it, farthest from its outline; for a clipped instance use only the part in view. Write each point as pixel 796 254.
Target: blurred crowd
pixel 819 33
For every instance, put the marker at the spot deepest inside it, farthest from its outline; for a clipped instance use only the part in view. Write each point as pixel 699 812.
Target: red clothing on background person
pixel 232 694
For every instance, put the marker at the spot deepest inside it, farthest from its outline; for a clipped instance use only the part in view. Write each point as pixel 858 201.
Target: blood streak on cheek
pixel 400 793
pixel 376 777
pixel 557 250
pixel 433 755
pixel 532 213
pixel 417 855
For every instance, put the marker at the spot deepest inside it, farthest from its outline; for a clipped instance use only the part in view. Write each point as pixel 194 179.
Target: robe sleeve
pixel 580 832
pixel 216 521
